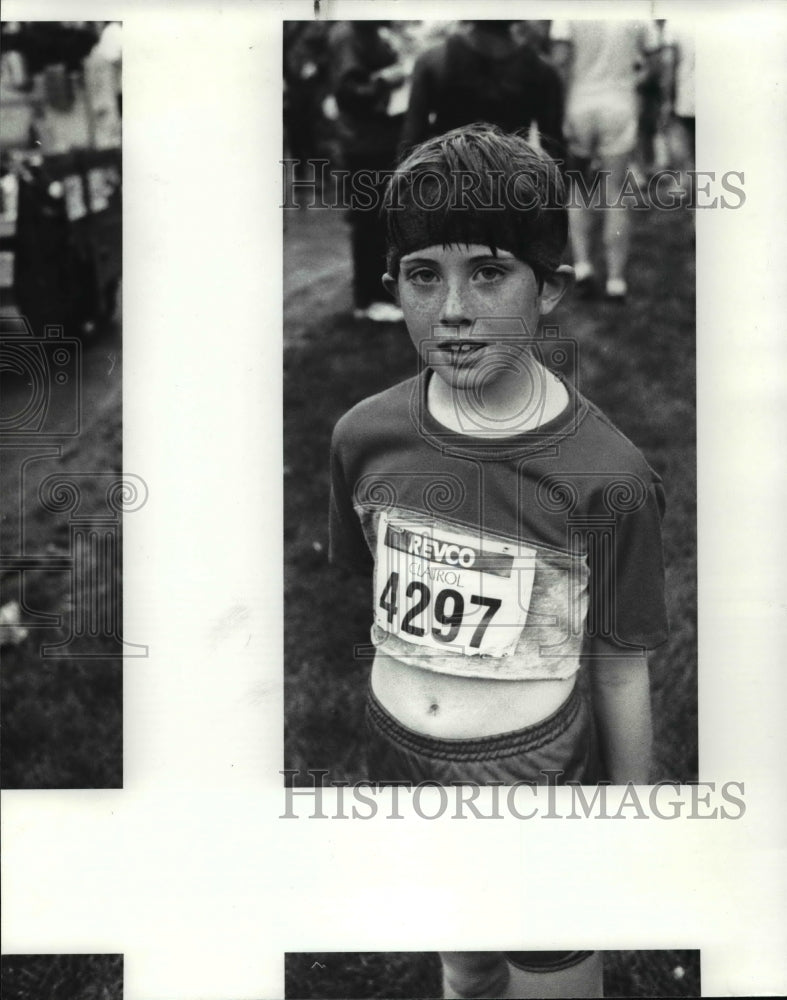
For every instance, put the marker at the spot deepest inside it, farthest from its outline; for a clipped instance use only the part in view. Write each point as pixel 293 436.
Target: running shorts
pixel 558 749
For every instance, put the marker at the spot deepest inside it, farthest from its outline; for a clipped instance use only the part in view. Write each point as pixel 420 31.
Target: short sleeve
pixel 625 557
pixel 346 542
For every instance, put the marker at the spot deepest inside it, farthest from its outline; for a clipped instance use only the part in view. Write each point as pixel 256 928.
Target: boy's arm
pixel 626 591
pixel 621 702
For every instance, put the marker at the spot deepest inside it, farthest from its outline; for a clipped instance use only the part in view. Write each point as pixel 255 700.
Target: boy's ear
pixel 391 286
pixel 555 287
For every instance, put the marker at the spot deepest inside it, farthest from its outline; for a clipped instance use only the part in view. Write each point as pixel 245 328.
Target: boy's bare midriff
pixel 452 707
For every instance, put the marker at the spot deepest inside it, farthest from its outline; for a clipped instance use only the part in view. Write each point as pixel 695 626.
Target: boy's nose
pixel 453 311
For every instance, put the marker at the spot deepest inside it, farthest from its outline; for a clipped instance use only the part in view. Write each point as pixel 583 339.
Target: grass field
pixel 61 977
pixel 637 362
pixel 62 722
pixel 416 975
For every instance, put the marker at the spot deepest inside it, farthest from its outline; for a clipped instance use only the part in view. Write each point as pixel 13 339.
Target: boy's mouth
pixel 461 348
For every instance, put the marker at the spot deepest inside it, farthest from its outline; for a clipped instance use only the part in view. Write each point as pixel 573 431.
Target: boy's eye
pixel 490 272
pixel 421 276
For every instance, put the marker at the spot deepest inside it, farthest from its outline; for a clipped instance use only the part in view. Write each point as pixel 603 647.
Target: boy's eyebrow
pixel 500 255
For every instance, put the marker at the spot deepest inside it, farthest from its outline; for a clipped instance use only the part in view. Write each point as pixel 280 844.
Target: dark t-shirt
pixel 497 557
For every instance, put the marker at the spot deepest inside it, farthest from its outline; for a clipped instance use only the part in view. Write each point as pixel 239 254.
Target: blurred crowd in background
pixel 61 172
pixel 358 94
pixel 613 96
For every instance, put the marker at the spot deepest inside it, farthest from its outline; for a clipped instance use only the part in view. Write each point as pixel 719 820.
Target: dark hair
pixel 478 184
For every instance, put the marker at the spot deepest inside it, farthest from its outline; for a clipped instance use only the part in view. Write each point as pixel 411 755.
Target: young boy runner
pixel 512 532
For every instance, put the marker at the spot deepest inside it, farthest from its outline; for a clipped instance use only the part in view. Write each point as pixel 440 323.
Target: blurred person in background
pixel 535 33
pixel 306 67
pixel 50 43
pixel 679 43
pixel 366 73
pixel 71 72
pixel 109 50
pixel 602 63
pixel 104 85
pixel 60 91
pixel 480 73
pixel 651 138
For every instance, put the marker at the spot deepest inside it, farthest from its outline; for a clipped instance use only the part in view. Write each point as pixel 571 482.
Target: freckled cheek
pixel 417 320
pixel 420 316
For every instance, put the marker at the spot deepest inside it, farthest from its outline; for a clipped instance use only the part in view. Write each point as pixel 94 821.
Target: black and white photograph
pixel 390 555
pixel 512 448
pixel 63 493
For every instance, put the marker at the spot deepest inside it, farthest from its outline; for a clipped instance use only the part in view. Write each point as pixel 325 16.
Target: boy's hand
pixel 621 703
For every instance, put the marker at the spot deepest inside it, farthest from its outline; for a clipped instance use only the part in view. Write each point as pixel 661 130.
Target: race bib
pixel 448 590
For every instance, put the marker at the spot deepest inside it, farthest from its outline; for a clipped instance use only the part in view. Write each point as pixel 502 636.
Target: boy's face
pixel 471 314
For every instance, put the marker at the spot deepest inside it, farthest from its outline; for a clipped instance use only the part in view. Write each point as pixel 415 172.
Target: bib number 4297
pixel 440 614
pixel 449 591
